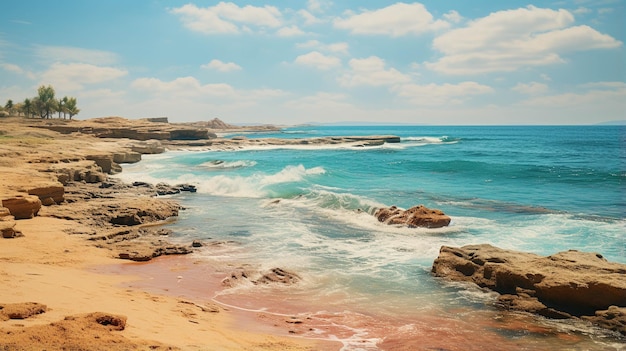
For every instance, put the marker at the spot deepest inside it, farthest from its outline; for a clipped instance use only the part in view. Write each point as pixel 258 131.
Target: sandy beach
pixel 73 277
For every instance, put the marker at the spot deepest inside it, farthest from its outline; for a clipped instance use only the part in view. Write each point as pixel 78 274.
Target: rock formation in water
pixel 417 216
pixel 564 285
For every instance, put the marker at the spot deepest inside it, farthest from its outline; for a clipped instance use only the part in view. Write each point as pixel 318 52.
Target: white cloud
pixel 227 17
pixel 337 47
pixel 17 70
pixel 509 40
pixel 190 87
pixel 74 54
pixel 321 101
pixel 183 86
pixel 545 77
pixel 291 31
pixel 371 71
pixel 222 66
pixel 604 85
pixel 318 60
pixel 12 68
pixel 605 94
pixel 444 94
pixel 453 17
pixel 340 47
pixel 396 20
pixel 74 76
pixel 532 88
pixel 309 18
pixel 582 11
pixel 318 6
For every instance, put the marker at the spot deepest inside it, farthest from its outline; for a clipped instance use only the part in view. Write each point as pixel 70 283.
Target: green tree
pixel 46 100
pixel 70 106
pixel 9 107
pixel 59 106
pixel 27 106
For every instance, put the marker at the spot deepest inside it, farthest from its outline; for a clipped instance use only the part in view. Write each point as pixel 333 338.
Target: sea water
pixel 308 209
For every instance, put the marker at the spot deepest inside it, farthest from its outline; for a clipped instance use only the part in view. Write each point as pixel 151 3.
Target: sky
pixel 453 62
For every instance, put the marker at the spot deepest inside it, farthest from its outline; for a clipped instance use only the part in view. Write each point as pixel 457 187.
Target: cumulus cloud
pixel 227 17
pixel 441 94
pixel 509 40
pixel 396 20
pixel 75 76
pixel 222 66
pixel 532 88
pixel 339 47
pixel 371 71
pixel 318 60
pixel 291 31
pixel 318 6
pixel 190 87
pixel 309 18
pixel 453 16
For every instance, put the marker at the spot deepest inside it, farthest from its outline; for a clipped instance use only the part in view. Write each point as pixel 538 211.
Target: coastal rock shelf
pixel 241 142
pixel 564 285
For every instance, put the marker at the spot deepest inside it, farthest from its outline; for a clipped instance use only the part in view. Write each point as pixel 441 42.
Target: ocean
pixel 307 209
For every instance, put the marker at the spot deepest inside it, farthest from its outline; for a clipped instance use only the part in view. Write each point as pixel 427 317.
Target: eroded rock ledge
pixel 570 284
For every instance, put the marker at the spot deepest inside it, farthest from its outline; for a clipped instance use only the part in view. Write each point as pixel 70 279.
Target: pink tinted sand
pixel 278 312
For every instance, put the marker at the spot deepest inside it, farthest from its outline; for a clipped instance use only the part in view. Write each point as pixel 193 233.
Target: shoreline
pixel 52 261
pixel 125 221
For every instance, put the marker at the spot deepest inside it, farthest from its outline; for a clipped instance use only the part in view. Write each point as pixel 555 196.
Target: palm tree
pixel 46 100
pixel 59 106
pixel 26 107
pixel 70 107
pixel 9 107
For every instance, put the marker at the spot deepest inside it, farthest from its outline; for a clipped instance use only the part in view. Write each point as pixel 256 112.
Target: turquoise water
pixel 536 189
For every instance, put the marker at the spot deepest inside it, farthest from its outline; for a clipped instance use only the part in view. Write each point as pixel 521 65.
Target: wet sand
pixel 285 312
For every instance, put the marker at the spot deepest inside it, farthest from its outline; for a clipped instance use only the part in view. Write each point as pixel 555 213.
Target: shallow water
pixel 307 209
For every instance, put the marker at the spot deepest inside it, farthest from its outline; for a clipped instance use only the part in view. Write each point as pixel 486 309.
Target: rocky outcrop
pixel 273 276
pixel 50 194
pixel 22 206
pixel 417 216
pixel 564 285
pixel 7 224
pixel 106 163
pixel 148 147
pixel 147 254
pixel 20 310
pixel 78 171
pixel 127 157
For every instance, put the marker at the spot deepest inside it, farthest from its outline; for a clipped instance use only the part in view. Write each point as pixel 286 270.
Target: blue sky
pixel 291 62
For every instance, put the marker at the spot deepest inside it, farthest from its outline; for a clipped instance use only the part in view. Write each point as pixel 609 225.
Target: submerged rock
pixel 273 276
pixel 564 285
pixel 417 216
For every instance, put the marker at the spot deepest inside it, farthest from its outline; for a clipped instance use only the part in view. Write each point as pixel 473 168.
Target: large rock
pixel 106 163
pixel 275 275
pixel 22 206
pixel 7 224
pixel 417 216
pixel 126 157
pixel 563 285
pixel 148 147
pixel 50 194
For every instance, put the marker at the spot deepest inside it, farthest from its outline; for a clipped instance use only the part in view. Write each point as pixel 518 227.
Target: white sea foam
pixel 220 164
